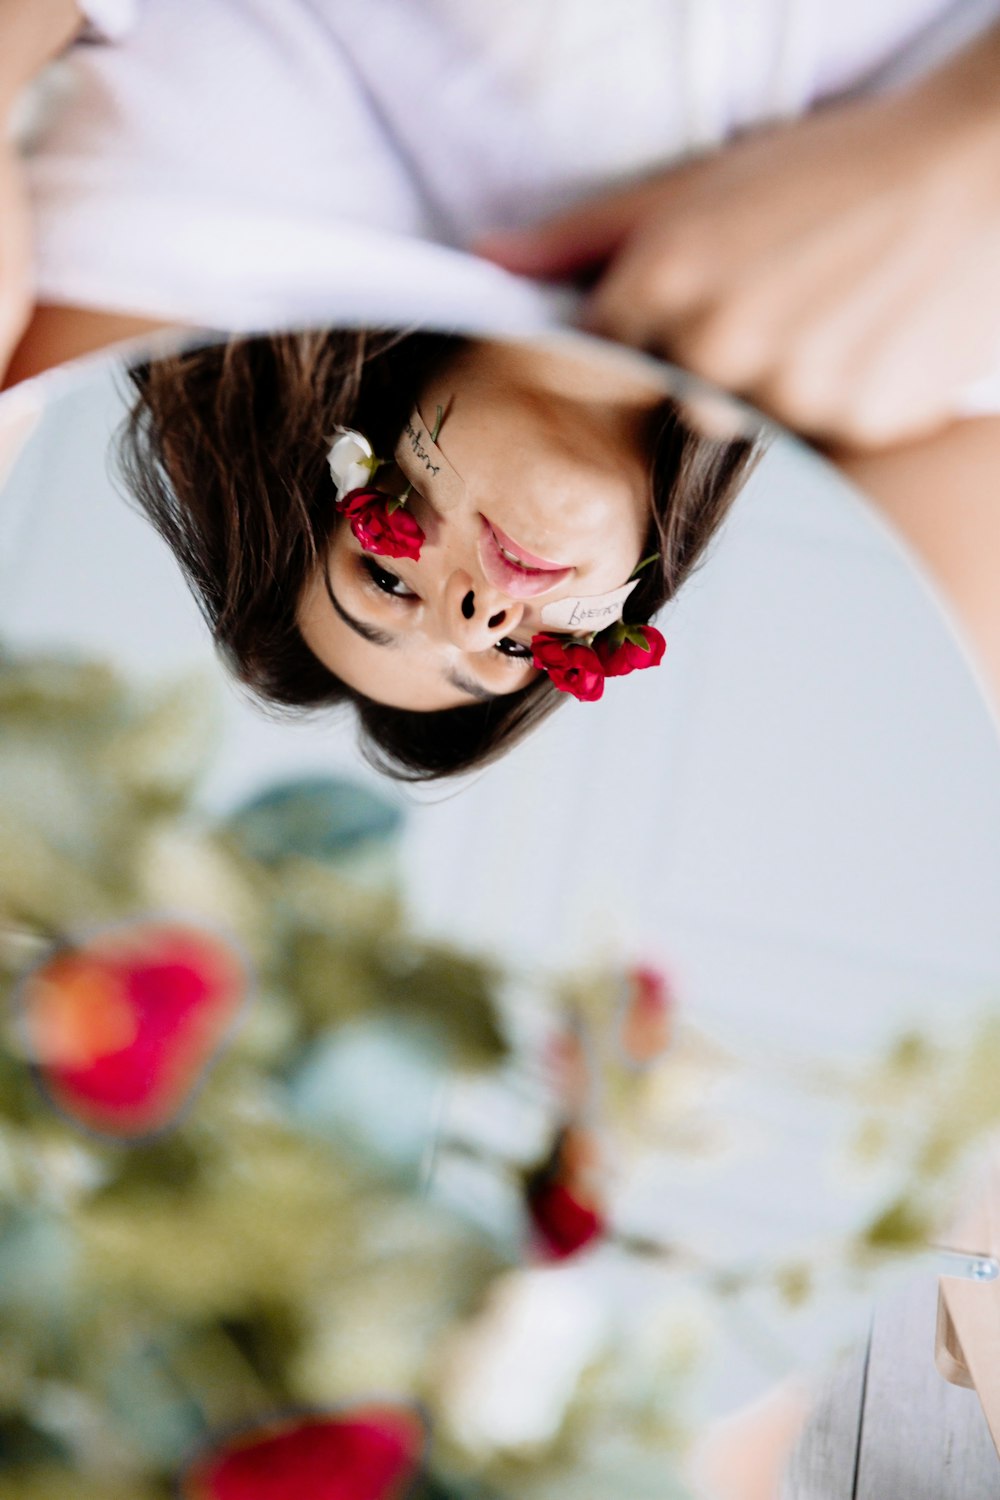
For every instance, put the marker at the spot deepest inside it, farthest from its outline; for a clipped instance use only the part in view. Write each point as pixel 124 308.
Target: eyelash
pixel 513 650
pixel 383 582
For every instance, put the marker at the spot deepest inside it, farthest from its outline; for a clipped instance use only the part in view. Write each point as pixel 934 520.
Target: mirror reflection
pixel 500 1138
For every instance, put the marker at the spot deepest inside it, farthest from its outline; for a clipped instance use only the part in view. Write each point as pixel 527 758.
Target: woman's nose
pixel 475 618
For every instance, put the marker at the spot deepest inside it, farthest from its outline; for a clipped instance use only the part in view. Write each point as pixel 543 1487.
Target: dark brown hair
pixel 225 451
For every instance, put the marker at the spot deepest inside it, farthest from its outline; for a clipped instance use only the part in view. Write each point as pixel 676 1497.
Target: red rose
pixel 362 1455
pixel 123 1028
pixel 629 648
pixel 572 666
pixel 379 529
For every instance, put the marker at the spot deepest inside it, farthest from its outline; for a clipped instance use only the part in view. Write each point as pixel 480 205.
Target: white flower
pixel 352 462
pixel 508 1376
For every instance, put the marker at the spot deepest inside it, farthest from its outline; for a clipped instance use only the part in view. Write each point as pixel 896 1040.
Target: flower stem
pixel 402 499
pixel 652 558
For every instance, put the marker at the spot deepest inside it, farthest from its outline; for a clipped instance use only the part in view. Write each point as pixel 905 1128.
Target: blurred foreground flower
pixel 122 1029
pixel 647 1016
pixel 366 1454
pixel 563 1196
pixel 507 1377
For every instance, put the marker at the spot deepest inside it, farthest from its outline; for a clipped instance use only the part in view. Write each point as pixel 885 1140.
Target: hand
pixel 842 272
pixel 15 255
pixel 32 32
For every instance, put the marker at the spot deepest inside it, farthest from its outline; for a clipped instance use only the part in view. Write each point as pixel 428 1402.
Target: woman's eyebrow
pixel 466 685
pixel 366 632
pixel 384 638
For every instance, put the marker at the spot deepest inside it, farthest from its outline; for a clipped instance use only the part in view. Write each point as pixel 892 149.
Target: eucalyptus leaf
pixel 326 818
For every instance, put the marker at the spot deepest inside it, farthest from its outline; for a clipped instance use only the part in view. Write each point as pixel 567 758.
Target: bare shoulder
pixel 57 334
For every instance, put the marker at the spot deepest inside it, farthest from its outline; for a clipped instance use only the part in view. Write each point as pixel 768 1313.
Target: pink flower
pixel 382 525
pixel 629 648
pixel 369 1454
pixel 572 666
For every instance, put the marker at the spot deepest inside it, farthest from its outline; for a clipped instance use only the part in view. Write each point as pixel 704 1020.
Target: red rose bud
pixel 647 1016
pixel 561 1195
pixel 122 1029
pixel 370 1454
pixel 563 1222
pixel 572 666
pixel 381 530
pixel 629 648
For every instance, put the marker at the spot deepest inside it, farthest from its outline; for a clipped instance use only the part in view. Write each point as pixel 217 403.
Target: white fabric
pixel 245 163
pixel 107 20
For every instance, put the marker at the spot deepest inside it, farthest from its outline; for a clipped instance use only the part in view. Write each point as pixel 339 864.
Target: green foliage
pixel 153 1293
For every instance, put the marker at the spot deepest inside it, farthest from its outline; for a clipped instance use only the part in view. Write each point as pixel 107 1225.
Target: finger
pixel 650 294
pixel 14 318
pixel 16 291
pixel 572 243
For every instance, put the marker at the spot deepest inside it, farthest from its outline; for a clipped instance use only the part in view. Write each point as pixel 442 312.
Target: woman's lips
pixel 525 581
pixel 521 554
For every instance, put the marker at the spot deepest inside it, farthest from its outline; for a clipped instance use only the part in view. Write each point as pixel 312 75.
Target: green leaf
pixel 314 817
pixel 450 990
pixel 901 1226
pixel 613 634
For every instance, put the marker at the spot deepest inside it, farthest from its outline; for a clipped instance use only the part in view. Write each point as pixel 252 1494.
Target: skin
pixel 550 449
pixel 34 337
pixel 838 271
pixel 744 1456
pixel 31 36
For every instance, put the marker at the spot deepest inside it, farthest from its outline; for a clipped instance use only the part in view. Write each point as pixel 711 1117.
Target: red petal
pixel 367 1455
pixel 123 1028
pixel 564 1223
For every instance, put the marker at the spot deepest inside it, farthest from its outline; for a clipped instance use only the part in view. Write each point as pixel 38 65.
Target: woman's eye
pixel 387 582
pixel 514 649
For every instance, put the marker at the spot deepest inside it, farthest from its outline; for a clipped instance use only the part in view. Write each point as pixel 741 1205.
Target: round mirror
pixel 499 1133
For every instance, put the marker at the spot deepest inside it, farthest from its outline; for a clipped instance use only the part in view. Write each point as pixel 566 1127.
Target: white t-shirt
pixel 251 163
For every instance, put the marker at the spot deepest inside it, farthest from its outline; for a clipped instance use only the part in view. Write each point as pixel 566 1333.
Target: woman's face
pixel 541 494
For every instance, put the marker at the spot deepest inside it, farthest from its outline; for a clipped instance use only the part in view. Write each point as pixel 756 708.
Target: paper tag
pixel 426 467
pixel 594 613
